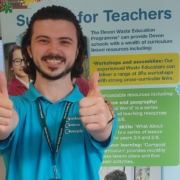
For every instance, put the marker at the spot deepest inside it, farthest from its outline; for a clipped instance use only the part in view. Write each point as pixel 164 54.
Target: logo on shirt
pixel 73 125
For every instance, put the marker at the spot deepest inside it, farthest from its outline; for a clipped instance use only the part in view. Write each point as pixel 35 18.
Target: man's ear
pixel 29 51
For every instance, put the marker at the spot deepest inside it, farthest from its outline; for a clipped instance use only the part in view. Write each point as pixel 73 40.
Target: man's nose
pixel 54 47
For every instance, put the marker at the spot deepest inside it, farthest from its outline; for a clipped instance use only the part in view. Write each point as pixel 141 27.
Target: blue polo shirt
pixel 26 152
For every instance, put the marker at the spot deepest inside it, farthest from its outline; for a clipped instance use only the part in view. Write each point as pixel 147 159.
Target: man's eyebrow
pixel 65 38
pixel 42 36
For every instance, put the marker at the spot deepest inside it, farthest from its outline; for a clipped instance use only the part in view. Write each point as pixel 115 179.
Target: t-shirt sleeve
pixel 5 143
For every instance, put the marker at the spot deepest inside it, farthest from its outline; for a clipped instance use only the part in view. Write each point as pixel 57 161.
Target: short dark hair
pixel 116 175
pixel 54 13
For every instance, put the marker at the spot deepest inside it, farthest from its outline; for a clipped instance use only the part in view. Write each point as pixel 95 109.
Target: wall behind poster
pixel 121 36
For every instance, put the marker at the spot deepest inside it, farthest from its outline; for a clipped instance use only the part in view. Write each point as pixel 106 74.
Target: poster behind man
pixel 135 46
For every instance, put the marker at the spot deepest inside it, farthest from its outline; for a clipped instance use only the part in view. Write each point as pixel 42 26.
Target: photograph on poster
pixel 17 80
pixel 131 173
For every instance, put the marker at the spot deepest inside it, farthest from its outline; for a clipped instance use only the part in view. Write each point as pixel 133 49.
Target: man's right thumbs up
pixel 8 116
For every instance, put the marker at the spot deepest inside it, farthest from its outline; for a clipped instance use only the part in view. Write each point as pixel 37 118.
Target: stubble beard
pixel 56 77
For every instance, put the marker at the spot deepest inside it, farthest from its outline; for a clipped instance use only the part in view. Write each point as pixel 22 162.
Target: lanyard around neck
pixel 61 129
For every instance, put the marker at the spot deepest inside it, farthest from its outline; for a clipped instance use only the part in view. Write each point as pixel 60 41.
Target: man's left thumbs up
pixel 94 111
pixel 94 89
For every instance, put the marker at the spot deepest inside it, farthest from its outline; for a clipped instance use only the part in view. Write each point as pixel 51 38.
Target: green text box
pixel 148 127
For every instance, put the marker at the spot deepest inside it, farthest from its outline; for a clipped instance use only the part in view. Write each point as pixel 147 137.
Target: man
pixel 53 132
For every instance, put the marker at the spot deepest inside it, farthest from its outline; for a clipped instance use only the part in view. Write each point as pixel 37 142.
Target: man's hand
pixel 94 111
pixel 7 123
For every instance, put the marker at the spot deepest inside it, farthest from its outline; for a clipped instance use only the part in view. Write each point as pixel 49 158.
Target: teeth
pixel 53 61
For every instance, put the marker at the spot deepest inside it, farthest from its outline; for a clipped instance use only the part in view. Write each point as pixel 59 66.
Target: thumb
pixel 3 85
pixel 93 85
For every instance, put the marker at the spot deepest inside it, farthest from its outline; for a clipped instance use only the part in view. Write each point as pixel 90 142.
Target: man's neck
pixel 54 90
